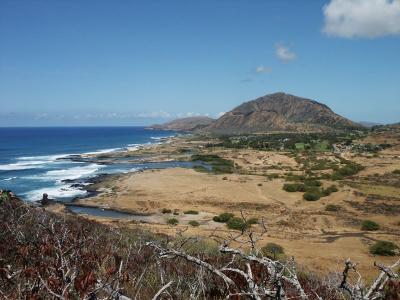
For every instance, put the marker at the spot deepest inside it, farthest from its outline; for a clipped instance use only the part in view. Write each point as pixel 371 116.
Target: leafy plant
pixel 383 248
pixel 237 223
pixel 272 250
pixel 311 196
pixel 223 218
pixel 194 223
pixel 191 212
pixel 172 221
pixel 369 225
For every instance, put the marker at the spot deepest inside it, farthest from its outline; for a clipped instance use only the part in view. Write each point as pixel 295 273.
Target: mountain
pixel 369 124
pixel 185 124
pixel 279 112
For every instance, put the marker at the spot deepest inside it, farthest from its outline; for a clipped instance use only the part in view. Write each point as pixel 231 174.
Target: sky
pixel 66 63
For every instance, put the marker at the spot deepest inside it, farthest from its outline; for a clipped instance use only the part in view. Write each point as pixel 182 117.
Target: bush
pixel 218 164
pixel 191 212
pixel 236 223
pixel 223 218
pixel 311 196
pixel 272 250
pixel 396 172
pixel 329 190
pixel 194 223
pixel 312 182
pixel 332 207
pixel 166 211
pixel 384 248
pixel 172 221
pixel 294 187
pixel 369 225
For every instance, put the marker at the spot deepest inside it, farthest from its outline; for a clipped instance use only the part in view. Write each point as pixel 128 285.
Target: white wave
pixel 10 178
pixel 22 166
pixel 31 162
pixel 162 137
pixel 72 173
pixel 104 151
pixel 56 192
pixel 44 157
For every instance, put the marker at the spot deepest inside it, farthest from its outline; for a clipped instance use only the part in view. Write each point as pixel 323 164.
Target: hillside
pixel 184 124
pixel 51 256
pixel 279 112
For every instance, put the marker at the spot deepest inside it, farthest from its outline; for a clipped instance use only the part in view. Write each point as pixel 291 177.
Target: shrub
pixel 172 221
pixel 191 212
pixel 194 223
pixel 312 182
pixel 311 196
pixel 332 207
pixel 294 187
pixel 218 164
pixel 223 218
pixel 272 250
pixel 236 223
pixel 166 211
pixel 369 225
pixel 396 172
pixel 384 248
pixel 329 190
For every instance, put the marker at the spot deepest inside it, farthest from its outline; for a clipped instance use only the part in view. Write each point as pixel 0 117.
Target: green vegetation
pixel 194 223
pixel 396 172
pixel 311 188
pixel 369 225
pixel 383 248
pixel 298 142
pixel 218 164
pixel 332 207
pixel 3 197
pixel 349 169
pixel 166 211
pixel 200 169
pixel 311 196
pixel 172 221
pixel 223 218
pixel 294 187
pixel 237 223
pixel 191 212
pixel 329 190
pixel 273 250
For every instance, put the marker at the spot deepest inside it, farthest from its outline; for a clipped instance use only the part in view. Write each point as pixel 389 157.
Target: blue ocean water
pixel 35 160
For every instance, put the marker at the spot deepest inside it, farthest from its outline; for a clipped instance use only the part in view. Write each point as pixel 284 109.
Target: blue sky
pixel 141 62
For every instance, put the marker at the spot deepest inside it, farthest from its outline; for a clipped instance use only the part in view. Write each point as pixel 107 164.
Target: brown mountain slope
pixel 185 124
pixel 279 112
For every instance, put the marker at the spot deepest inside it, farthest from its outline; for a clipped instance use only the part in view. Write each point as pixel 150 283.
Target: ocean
pixel 35 160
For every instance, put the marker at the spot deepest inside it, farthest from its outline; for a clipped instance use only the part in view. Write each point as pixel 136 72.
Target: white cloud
pixel 284 53
pixel 189 114
pixel 262 69
pixel 154 114
pixel 362 18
